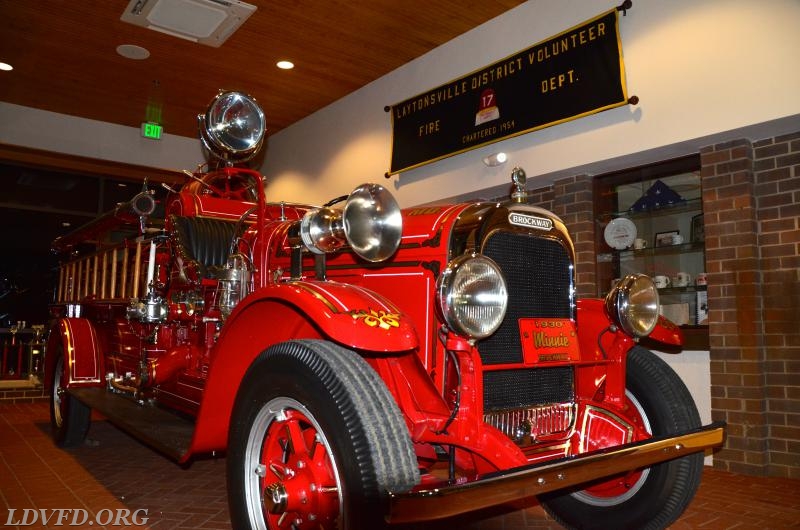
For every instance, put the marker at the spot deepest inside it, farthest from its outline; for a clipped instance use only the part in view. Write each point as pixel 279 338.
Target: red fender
pixel 592 320
pixel 667 333
pixel 599 342
pixel 78 340
pixel 346 314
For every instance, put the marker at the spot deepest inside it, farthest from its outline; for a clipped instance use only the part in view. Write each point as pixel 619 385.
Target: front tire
pixel 69 418
pixel 655 497
pixel 316 440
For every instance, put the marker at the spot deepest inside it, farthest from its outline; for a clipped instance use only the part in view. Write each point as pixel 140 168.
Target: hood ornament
pixel 518 178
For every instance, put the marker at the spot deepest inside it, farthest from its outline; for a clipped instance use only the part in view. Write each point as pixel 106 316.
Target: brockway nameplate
pixel 530 221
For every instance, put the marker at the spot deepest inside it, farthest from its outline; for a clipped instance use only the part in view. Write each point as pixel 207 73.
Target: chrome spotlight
pixel 233 127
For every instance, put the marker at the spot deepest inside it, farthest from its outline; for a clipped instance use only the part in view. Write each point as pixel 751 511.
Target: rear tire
pixel 69 418
pixel 658 495
pixel 316 440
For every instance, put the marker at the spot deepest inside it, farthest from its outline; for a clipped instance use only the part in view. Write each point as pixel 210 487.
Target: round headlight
pixel 633 304
pixel 472 296
pixel 233 127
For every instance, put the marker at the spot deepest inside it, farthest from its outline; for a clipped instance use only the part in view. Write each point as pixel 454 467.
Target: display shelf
pixel 687 206
pixel 648 249
pixel 631 253
pixel 682 289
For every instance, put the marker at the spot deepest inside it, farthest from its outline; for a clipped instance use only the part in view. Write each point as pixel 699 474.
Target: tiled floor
pixel 114 472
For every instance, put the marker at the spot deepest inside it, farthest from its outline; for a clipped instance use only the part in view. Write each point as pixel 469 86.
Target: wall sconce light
pixel 495 159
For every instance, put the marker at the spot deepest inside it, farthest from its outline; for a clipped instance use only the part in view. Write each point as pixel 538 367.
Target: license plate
pixel 549 339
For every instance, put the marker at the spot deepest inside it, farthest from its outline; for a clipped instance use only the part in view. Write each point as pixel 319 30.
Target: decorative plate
pixel 620 233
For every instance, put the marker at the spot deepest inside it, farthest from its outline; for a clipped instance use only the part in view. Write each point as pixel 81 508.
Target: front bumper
pixel 537 479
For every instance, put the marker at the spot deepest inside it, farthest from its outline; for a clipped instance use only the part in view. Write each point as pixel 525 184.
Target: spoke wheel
pixel 316 441
pixel 295 481
pixel 231 187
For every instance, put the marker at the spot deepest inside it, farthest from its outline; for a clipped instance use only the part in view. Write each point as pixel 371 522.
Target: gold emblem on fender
pixel 374 318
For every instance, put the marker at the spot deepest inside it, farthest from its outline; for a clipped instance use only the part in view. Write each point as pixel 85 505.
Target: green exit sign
pixel 152 130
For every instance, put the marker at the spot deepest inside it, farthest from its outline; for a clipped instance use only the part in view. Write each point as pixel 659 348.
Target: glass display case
pixel 653 224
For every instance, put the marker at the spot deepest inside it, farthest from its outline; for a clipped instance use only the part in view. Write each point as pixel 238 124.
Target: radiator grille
pixel 523 388
pixel 539 279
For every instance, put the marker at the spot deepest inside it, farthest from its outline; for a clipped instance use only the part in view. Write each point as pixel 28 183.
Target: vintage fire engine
pixel 361 365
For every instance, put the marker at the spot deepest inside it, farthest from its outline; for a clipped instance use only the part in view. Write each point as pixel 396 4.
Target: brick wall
pixel 751 201
pixel 9 395
pixel 777 170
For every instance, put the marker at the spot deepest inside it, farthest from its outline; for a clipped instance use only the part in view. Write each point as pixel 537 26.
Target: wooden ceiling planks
pixel 64 56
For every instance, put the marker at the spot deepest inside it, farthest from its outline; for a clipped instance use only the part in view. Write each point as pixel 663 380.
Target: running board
pixel 537 479
pixel 156 427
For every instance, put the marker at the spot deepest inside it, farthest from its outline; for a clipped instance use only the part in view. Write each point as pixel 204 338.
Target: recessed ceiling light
pixel 132 51
pixel 6 67
pixel 285 65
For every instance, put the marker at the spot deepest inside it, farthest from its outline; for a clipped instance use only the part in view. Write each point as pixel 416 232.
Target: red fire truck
pixel 361 365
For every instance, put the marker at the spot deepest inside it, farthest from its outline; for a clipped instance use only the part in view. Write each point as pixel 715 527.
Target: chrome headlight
pixel 472 296
pixel 633 304
pixel 233 127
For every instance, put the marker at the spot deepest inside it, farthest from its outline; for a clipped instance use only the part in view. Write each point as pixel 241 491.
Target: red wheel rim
pixel 620 488
pixel 297 484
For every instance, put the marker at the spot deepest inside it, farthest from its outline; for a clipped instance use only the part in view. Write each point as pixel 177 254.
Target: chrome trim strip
pixel 529 481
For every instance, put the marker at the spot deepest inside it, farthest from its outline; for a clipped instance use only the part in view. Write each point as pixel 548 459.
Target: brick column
pixel 573 203
pixel 735 305
pixel 777 172
pixel 751 198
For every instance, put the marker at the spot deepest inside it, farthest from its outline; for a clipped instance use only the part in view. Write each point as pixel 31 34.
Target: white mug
pixel 661 281
pixel 701 279
pixel 682 279
pixel 639 243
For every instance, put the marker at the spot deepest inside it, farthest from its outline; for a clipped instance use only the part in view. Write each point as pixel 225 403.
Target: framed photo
pixel 666 239
pixel 698 229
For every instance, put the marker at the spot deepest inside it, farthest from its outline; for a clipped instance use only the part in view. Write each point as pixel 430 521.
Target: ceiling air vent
pixel 208 22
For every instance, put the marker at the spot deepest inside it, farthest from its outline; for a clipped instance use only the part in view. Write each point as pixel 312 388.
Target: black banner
pixel 573 74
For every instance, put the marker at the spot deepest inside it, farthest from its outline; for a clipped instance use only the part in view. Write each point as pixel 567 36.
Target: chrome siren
pixel 370 223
